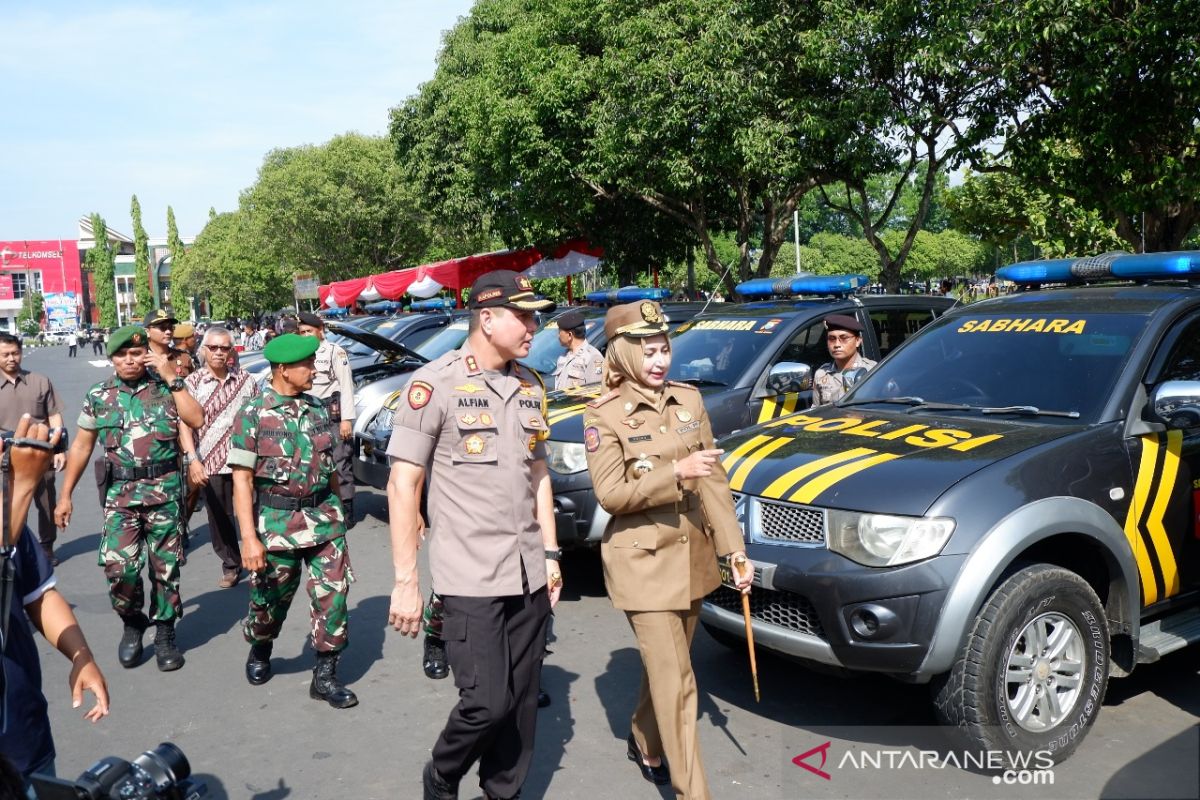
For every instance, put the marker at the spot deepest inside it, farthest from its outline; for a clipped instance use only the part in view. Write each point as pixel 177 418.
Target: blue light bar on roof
pixel 802 284
pixel 1126 266
pixel 628 294
pixel 435 304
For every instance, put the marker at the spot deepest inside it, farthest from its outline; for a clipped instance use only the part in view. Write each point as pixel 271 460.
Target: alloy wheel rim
pixel 1044 672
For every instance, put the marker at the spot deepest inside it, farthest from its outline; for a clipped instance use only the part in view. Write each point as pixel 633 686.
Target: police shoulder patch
pixel 419 394
pixel 604 398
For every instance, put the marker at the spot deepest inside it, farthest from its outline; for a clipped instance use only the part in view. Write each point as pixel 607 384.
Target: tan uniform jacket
pixel 333 377
pixel 661 546
pixel 476 434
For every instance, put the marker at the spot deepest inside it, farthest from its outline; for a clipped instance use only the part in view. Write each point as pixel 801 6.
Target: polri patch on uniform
pixel 419 393
pixel 591 439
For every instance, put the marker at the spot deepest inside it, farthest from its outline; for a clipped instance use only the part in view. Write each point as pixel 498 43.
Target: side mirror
pixel 1177 403
pixel 788 376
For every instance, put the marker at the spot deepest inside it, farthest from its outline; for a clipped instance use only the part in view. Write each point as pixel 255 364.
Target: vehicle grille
pixel 788 523
pixel 782 609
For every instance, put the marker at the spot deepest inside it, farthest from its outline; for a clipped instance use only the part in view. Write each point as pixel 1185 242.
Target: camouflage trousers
pixel 328 584
pixel 433 615
pixel 132 536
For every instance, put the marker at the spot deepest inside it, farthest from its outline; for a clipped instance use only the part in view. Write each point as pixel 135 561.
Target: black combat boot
pixel 165 652
pixel 258 663
pixel 326 686
pixel 129 651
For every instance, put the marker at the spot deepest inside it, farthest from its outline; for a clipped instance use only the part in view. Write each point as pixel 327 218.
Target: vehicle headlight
pixel 886 540
pixel 566 458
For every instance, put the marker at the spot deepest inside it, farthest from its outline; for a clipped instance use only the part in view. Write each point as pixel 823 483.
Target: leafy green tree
pixel 177 250
pixel 29 318
pixel 341 209
pixel 99 261
pixel 141 260
pixel 1104 109
pixel 228 265
pixel 1025 222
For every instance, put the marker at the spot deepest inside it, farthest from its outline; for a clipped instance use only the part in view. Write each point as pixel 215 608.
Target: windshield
pixel 446 339
pixel 1056 363
pixel 718 349
pixel 545 349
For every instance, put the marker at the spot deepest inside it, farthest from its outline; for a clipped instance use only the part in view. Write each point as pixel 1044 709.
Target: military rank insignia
pixel 419 393
pixel 469 388
pixel 473 445
pixel 591 439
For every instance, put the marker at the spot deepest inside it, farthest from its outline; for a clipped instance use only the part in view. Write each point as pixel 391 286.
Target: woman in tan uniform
pixel 650 451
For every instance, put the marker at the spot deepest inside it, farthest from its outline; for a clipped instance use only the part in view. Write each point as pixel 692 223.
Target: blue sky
pixel 178 102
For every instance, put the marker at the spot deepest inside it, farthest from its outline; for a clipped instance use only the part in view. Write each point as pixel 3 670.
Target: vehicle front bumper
pixel 812 604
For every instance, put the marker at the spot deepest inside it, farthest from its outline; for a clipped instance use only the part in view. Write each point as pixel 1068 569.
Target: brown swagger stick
pixel 740 563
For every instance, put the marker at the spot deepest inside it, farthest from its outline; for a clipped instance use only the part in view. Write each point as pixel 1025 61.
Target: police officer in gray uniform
pixel 582 364
pixel 472 428
pixel 333 385
pixel 843 337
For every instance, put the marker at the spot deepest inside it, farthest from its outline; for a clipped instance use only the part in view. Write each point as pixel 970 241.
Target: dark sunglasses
pixel 219 348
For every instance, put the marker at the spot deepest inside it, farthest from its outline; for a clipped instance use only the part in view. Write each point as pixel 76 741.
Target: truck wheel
pixel 1034 667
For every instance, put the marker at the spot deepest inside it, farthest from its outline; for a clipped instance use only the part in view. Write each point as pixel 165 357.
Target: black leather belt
pixel 285 503
pixel 156 470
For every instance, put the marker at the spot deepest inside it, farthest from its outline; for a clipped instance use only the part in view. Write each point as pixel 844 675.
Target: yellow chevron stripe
pixel 767 411
pixel 1162 496
pixel 566 413
pixel 790 478
pixel 738 479
pixel 742 450
pixel 789 403
pixel 809 491
pixel 1141 492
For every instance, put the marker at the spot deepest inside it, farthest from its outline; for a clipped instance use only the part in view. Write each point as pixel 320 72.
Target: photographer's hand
pixel 52 615
pixel 86 677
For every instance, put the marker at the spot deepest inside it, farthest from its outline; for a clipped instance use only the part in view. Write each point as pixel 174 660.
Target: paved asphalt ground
pixel 272 742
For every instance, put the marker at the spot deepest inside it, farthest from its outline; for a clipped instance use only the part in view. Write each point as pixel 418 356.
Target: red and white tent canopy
pixel 569 258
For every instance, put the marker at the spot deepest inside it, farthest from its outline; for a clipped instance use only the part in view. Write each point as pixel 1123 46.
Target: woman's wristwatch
pixel 554 555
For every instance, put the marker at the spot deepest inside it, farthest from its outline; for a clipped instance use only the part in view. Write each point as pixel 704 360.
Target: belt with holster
pixel 333 404
pixel 285 503
pixel 155 470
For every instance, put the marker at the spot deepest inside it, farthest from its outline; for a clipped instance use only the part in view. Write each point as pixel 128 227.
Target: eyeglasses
pixel 163 326
pixel 219 348
pixel 839 339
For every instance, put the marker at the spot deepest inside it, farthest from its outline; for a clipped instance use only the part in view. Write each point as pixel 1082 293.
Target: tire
pixel 1000 696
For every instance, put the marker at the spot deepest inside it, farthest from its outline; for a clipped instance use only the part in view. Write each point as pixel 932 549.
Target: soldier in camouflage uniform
pixel 281 452
pixel 843 337
pixel 136 415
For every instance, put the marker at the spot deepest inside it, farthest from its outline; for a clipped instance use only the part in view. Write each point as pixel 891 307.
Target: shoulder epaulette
pixel 682 385
pixel 604 398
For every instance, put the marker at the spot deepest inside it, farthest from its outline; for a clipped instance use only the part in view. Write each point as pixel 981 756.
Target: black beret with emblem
pixel 309 318
pixel 506 288
pixel 842 322
pixel 639 319
pixel 571 320
pixel 129 336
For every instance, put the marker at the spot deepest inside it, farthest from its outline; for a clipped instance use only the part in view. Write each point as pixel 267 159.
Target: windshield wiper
pixel 1029 411
pixel 903 401
pixel 702 382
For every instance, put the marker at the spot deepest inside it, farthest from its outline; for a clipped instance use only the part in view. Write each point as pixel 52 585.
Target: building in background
pixel 48 266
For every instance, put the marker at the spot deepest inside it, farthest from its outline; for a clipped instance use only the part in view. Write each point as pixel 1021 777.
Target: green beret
pixel 129 336
pixel 289 348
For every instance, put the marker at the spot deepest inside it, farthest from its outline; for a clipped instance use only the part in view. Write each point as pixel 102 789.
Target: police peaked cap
pixel 159 315
pixel 288 348
pixel 503 287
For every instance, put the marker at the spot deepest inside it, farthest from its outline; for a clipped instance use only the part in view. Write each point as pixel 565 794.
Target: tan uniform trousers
pixel 664 722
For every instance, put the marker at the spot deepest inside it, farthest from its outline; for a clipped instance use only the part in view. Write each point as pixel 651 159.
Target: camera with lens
pixel 158 774
pixel 61 447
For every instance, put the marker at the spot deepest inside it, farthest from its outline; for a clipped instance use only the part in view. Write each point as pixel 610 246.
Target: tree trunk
pixel 1165 229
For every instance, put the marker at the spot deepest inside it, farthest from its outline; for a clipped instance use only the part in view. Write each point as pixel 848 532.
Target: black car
pixel 1005 509
pixel 751 361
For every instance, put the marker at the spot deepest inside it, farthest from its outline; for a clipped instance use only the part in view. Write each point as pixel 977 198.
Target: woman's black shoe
pixel 659 776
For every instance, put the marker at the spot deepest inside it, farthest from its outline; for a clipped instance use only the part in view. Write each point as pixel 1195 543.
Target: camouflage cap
pixel 639 319
pixel 129 336
pixel 288 348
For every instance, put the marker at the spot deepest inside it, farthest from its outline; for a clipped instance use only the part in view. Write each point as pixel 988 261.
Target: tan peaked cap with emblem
pixel 639 319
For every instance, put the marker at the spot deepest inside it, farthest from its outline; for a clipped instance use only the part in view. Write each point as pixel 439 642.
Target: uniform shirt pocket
pixel 636 539
pixel 534 427
pixel 476 442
